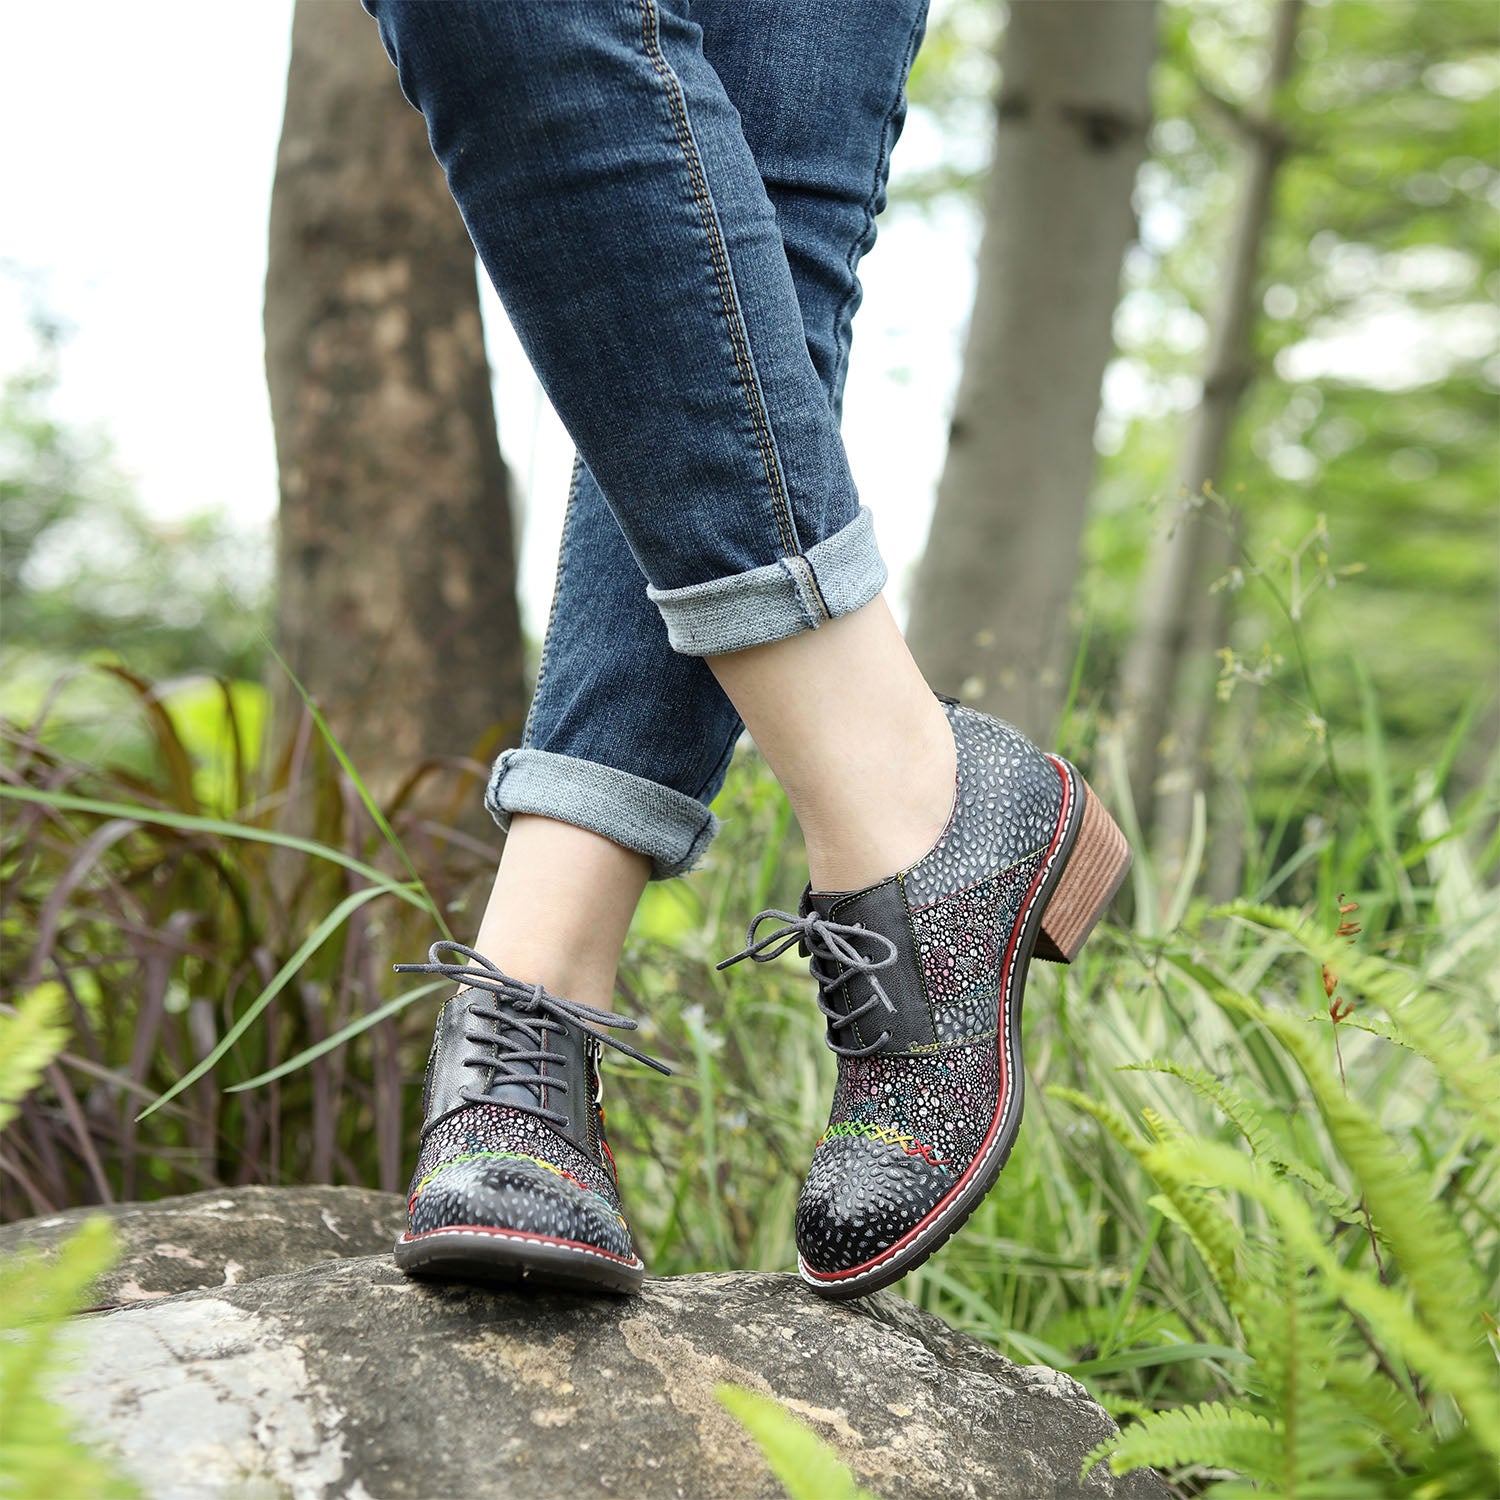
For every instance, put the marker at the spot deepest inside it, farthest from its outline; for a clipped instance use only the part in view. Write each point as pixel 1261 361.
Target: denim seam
pixel 800 577
pixel 819 600
pixel 723 275
pixel 841 320
pixel 562 557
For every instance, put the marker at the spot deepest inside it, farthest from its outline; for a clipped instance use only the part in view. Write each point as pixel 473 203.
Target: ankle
pixel 560 908
pixel 882 813
pixel 566 975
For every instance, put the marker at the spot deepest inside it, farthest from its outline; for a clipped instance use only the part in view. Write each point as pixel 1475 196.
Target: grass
pixel 220 916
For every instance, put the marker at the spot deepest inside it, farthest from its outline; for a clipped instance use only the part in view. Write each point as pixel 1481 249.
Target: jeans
pixel 671 200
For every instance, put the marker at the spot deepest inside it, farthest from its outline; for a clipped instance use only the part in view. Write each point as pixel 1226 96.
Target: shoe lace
pixel 524 1015
pixel 833 960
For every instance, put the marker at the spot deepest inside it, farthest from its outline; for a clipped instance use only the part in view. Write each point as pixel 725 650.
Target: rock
pixel 222 1238
pixel 344 1379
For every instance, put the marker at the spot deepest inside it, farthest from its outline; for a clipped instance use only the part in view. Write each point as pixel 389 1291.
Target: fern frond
pixel 30 1040
pixel 1163 1128
pixel 1111 1119
pixel 1384 1407
pixel 40 1453
pixel 1245 1118
pixel 1423 1021
pixel 1211 1434
pixel 1212 1231
pixel 1446 1364
pixel 1300 1337
pixel 1421 1231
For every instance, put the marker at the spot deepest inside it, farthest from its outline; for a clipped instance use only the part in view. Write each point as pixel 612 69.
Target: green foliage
pixel 1353 1362
pixel 40 1457
pixel 808 1467
pixel 212 901
pixel 1255 1265
pixel 1372 404
pixel 31 1036
pixel 85 570
pixel 1252 1251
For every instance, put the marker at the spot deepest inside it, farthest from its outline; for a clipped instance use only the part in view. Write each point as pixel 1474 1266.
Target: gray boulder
pixel 343 1379
pixel 224 1237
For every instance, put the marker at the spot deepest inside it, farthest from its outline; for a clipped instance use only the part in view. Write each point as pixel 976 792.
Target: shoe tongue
pixel 879 908
pixel 562 1043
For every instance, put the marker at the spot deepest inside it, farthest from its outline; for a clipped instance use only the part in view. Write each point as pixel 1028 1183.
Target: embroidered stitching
pixel 884 1135
pixel 552 1167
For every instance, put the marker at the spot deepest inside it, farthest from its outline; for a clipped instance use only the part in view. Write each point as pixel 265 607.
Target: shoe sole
pixel 504 1257
pixel 1086 864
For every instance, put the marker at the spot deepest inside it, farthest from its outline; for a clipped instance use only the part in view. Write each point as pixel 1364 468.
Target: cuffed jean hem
pixel 833 577
pixel 668 826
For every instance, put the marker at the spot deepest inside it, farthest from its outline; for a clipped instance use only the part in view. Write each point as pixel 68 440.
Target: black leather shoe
pixel 515 1180
pixel 921 978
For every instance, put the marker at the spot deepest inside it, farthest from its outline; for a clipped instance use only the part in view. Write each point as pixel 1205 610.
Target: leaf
pixel 808 1467
pixel 1153 1357
pixel 1423 1020
pixel 310 945
pixel 1248 1121
pixel 191 823
pixel 365 796
pixel 342 1035
pixel 1454 1366
pixel 1210 1228
pixel 30 1040
pixel 1211 1435
pixel 40 1457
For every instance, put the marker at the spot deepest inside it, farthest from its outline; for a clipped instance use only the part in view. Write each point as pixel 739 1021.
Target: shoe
pixel 515 1181
pixel 920 978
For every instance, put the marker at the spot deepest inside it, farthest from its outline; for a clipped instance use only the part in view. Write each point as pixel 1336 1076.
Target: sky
pixel 136 184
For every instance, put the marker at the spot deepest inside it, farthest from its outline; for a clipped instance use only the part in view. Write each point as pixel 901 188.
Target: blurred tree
pixel 989 613
pixel 1372 404
pixel 396 601
pixel 1180 621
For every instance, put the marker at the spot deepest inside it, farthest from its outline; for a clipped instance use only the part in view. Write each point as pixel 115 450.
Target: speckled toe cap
pixel 903 1129
pixel 521 1196
pixel 495 1167
pixel 863 1193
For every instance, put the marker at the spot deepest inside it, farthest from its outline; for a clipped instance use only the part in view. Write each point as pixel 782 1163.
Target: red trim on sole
pixel 935 1213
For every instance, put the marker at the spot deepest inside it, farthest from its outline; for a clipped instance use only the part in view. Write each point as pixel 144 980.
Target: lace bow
pixel 523 1014
pixel 833 960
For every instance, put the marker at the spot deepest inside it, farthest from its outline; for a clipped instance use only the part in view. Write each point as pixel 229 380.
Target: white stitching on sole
pixel 528 1239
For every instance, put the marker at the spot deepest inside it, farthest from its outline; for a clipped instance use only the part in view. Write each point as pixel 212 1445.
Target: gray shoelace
pixel 523 1014
pixel 833 960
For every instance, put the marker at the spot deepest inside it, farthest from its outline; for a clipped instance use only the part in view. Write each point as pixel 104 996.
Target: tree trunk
pixel 990 612
pixel 1173 594
pixel 396 602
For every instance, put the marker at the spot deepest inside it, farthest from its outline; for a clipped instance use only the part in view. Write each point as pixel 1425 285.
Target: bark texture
pixel 989 617
pixel 1175 604
pixel 396 602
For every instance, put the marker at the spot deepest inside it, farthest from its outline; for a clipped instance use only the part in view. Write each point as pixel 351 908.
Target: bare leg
pixel 856 738
pixel 850 729
pixel 560 907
